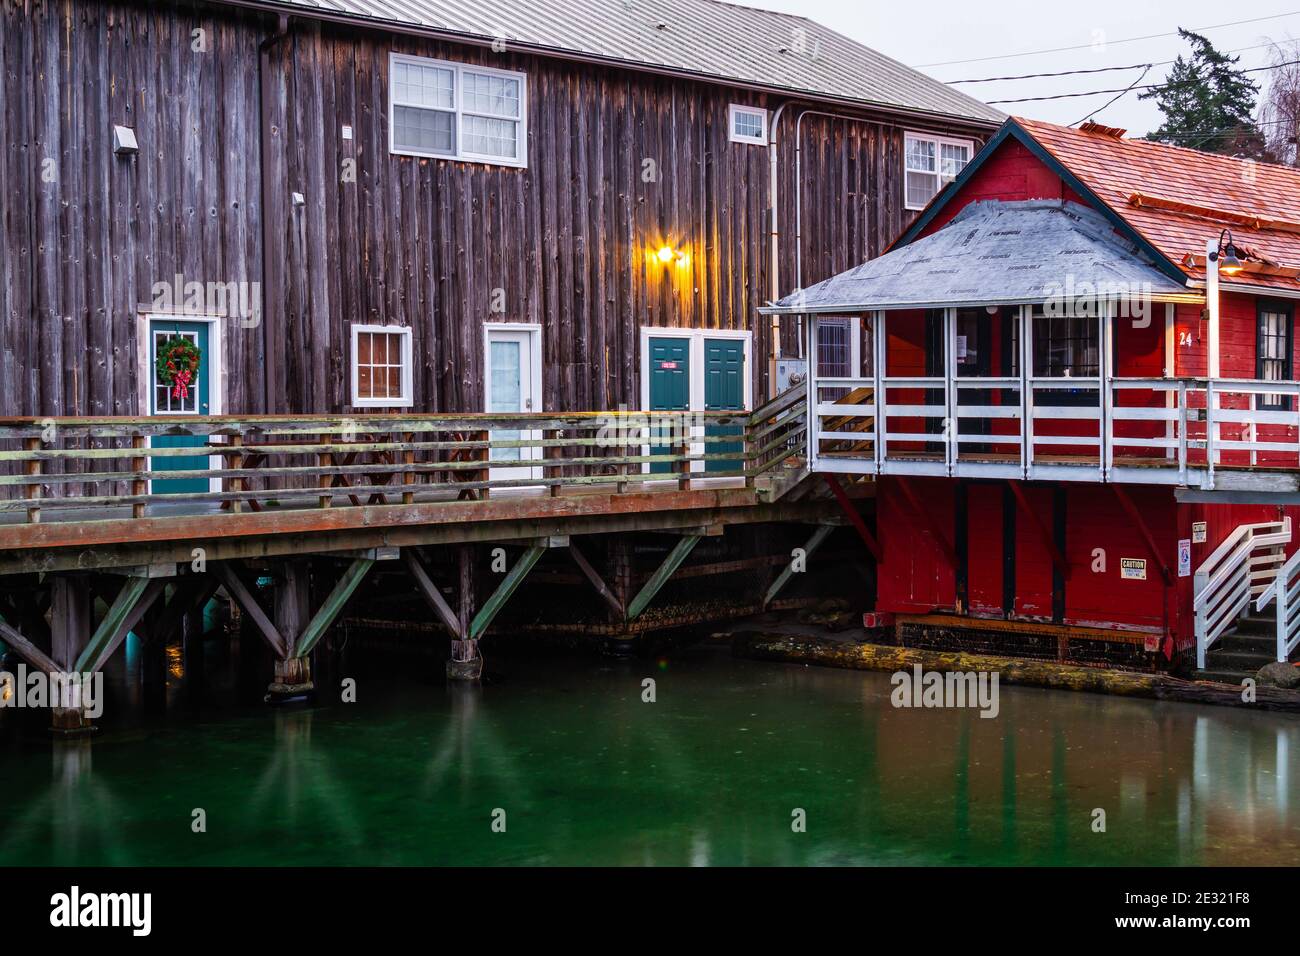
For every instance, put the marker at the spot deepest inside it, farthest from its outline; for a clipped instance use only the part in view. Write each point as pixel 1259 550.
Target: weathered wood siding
pixel 411 242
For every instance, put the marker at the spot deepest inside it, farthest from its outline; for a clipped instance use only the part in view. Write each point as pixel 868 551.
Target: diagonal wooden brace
pixel 502 594
pixel 671 563
pixel 26 649
pixel 135 597
pixel 333 605
pixel 596 580
pixel 1136 517
pixel 432 596
pixel 228 574
pixel 821 534
pixel 855 519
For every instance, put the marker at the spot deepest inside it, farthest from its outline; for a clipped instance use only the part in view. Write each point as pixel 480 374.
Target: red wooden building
pixel 1084 443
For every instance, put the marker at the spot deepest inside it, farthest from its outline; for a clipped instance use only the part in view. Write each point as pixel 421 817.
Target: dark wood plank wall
pixel 411 242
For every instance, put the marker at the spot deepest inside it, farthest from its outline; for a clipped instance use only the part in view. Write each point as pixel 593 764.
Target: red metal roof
pixel 1178 198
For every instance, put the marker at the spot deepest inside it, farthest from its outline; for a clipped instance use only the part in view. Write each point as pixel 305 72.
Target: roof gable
pixel 1167 200
pixel 704 38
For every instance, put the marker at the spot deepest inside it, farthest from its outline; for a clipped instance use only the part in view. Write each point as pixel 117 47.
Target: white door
pixel 513 364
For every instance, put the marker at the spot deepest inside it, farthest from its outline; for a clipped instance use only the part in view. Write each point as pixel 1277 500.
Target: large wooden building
pixel 356 205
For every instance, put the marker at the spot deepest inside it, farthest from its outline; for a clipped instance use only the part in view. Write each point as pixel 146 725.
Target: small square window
pixel 748 124
pixel 381 366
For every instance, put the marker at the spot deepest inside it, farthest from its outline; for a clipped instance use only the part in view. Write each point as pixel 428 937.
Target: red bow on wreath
pixel 181 384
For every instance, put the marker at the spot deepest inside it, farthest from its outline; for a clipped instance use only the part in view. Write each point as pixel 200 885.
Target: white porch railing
pixel 1285 592
pixel 1207 433
pixel 1241 568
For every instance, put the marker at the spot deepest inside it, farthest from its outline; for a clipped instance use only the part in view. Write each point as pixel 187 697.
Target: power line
pixel 1100 69
pixel 1087 46
pixel 1150 86
pixel 1111 102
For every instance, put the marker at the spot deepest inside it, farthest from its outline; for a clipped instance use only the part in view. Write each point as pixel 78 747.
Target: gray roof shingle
pixel 994 252
pixel 703 37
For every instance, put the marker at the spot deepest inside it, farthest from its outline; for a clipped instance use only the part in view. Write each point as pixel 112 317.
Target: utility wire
pixel 1087 46
pixel 1151 86
pixel 1100 69
pixel 1110 102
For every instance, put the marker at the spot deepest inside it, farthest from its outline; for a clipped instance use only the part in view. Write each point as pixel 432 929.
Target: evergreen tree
pixel 1208 103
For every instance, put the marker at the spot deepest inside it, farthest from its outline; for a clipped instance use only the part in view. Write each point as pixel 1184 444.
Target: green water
pixel 710 773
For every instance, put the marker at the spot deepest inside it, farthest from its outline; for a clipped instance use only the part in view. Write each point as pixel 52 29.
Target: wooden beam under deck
pixel 224 537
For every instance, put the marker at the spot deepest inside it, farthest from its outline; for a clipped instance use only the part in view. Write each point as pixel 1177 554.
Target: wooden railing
pixel 118 467
pixel 1179 431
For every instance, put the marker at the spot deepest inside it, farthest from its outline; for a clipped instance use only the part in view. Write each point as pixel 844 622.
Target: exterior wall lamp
pixel 1225 255
pixel 668 255
pixel 1220 257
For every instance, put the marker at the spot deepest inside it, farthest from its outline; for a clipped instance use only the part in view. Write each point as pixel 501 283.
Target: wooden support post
pixel 553 471
pixel 676 556
pixel 334 604
pixel 236 461
pixel 505 589
pixel 33 491
pixel 228 574
pixel 139 486
pixel 70 621
pixel 135 597
pixel 465 568
pixel 1044 533
pixel 813 543
pixel 326 480
pixel 484 474
pixel 683 467
pixel 408 476
pixel 855 519
pixel 432 596
pixel 596 581
pixel 193 591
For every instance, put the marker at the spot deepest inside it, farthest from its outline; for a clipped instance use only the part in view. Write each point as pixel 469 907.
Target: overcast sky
pixel 940 31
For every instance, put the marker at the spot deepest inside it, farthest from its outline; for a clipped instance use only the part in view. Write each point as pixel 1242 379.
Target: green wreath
pixel 177 365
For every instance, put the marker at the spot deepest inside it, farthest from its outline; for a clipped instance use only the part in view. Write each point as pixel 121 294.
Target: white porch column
pixel 813 426
pixel 879 347
pixel 950 387
pixel 1104 395
pixel 1212 304
pixel 1026 319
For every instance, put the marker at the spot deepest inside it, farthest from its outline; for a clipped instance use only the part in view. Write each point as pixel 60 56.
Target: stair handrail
pixel 1287 596
pixel 1223 581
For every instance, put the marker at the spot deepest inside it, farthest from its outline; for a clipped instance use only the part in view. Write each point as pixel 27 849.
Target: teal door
pixel 670 387
pixel 724 390
pixel 169 399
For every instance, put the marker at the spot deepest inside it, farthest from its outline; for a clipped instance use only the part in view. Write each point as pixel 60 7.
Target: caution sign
pixel 1133 569
pixel 1198 532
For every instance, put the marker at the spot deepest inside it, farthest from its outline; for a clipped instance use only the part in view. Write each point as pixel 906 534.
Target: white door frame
pixel 696 338
pixel 216 373
pixel 534 399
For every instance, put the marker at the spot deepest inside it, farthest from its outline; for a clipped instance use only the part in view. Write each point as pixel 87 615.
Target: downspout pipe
pixel 269 295
pixel 774 243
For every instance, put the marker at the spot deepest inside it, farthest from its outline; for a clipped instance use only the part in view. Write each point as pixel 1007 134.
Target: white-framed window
pixel 747 124
pixel 929 164
pixel 381 366
pixel 448 110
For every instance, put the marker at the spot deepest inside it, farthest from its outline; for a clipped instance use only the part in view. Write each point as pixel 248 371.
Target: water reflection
pixel 708 774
